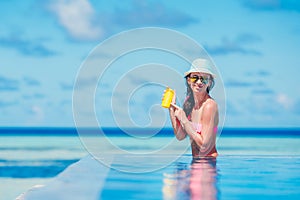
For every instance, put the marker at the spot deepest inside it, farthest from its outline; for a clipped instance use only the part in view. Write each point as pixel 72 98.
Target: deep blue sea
pixel 253 164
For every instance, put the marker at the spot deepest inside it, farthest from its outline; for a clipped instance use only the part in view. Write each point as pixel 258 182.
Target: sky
pixel 254 44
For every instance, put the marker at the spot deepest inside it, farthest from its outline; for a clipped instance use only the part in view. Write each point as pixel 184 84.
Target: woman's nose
pixel 199 81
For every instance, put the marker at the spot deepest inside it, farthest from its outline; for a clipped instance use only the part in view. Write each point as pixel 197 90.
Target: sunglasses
pixel 203 79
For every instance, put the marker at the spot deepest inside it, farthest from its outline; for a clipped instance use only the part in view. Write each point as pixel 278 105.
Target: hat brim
pixel 200 71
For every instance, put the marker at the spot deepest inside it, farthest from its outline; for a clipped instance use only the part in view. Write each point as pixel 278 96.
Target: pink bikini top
pixel 198 126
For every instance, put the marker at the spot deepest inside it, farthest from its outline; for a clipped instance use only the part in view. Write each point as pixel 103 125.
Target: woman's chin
pixel 198 90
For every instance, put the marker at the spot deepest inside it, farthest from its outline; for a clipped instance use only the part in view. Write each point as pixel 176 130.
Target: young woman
pixel 199 117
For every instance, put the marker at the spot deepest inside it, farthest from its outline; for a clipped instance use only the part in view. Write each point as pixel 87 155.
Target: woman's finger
pixel 174 98
pixel 175 106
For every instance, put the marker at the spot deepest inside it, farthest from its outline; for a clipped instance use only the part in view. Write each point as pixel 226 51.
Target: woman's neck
pixel 200 98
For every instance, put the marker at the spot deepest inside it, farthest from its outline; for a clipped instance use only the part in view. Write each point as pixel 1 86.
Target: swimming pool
pixel 228 177
pixel 249 167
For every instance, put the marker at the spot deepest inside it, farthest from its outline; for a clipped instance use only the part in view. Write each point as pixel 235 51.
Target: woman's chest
pixel 196 115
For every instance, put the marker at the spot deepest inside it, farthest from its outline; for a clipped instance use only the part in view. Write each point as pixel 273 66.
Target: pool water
pixel 227 177
pixel 255 177
pixel 240 172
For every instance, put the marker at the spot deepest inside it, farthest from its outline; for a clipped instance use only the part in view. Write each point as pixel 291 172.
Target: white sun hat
pixel 201 65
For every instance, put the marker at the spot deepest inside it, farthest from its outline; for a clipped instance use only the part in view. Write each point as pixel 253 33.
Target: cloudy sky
pixel 254 44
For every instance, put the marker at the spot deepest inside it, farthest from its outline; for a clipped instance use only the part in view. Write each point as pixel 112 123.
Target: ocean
pixel 35 156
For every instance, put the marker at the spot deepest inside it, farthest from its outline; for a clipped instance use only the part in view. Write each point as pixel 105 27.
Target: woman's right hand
pixel 173 105
pixel 180 115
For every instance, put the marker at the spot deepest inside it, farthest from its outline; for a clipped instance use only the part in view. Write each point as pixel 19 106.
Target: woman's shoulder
pixel 210 105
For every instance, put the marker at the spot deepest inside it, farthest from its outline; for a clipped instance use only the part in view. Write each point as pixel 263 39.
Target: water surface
pixel 253 164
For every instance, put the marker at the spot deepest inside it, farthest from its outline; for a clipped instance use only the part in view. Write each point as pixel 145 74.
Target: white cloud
pixel 36 115
pixel 77 17
pixel 82 21
pixel 285 101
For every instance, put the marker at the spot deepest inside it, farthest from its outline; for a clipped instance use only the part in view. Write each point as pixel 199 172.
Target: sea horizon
pixel 167 131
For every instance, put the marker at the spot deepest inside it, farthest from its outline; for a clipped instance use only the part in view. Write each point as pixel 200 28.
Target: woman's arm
pixel 209 120
pixel 178 130
pixel 187 126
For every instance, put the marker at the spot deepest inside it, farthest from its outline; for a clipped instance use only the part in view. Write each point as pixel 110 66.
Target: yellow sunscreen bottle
pixel 167 98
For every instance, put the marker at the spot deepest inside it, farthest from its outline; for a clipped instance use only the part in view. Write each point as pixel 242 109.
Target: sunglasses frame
pixel 203 79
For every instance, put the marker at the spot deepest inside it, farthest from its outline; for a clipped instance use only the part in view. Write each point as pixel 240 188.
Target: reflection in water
pixel 203 179
pixel 176 185
pixel 197 181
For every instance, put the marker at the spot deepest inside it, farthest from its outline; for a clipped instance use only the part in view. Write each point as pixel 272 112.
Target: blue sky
pixel 255 45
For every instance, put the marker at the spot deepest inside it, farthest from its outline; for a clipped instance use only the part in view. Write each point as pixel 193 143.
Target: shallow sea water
pixel 249 167
pixel 26 161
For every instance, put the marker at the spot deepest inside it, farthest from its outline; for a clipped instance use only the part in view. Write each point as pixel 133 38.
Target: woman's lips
pixel 199 87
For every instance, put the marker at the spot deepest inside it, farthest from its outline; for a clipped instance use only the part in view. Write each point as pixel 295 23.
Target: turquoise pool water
pixel 227 177
pixel 249 167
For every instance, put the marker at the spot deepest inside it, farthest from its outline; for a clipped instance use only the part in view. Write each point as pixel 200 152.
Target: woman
pixel 199 117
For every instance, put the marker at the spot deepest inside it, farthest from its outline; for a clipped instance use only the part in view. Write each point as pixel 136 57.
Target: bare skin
pixel 205 112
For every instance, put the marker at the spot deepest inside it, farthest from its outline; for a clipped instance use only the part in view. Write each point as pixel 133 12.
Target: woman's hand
pixel 173 105
pixel 180 115
pixel 174 98
pixel 176 124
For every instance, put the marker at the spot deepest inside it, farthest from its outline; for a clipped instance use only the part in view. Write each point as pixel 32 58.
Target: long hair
pixel 189 101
